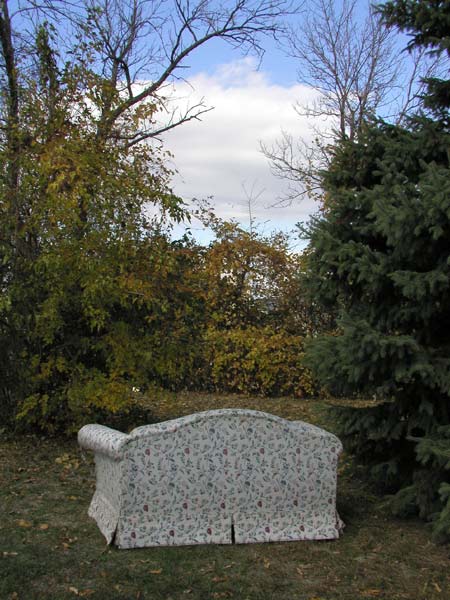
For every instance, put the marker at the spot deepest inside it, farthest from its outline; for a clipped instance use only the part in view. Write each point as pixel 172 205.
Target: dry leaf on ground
pixel 23 523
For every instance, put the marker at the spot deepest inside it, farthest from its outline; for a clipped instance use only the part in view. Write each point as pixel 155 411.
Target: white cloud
pixel 220 155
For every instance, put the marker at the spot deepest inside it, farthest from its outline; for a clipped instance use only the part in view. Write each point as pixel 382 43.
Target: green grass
pixel 49 548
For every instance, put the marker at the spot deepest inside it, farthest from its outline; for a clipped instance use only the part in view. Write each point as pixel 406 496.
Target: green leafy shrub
pixel 257 360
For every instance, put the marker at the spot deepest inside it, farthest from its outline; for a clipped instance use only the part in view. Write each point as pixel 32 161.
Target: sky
pixel 252 101
pixel 219 157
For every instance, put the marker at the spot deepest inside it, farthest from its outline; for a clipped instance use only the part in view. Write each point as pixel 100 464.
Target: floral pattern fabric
pixel 220 476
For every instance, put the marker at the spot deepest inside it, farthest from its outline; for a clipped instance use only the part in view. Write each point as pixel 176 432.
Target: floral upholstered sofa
pixel 219 476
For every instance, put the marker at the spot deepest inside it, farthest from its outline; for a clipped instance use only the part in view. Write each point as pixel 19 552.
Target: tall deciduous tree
pixel 380 253
pixel 84 271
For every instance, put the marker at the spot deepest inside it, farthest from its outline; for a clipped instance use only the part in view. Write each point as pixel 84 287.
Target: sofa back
pixel 229 461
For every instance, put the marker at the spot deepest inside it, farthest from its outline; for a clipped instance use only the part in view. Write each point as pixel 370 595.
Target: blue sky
pixel 220 156
pixel 281 68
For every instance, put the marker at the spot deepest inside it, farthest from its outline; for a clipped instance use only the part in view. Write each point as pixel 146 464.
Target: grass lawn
pixel 49 548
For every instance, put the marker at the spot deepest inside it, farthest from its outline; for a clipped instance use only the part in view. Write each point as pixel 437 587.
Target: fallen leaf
pixel 208 569
pixel 43 527
pixel 86 592
pixel 10 553
pixel 371 593
pixel 73 590
pixel 266 563
pixel 437 588
pixel 23 523
pixel 156 571
pixel 219 579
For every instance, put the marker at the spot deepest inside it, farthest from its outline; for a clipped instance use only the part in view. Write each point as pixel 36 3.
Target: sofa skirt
pixel 136 531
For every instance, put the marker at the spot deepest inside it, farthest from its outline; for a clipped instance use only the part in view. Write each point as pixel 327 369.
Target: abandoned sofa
pixel 214 477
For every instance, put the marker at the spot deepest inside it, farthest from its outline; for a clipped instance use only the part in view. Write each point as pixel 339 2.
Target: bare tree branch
pixel 190 114
pixel 159 53
pixel 297 163
pixel 358 70
pixel 136 47
pixel 12 114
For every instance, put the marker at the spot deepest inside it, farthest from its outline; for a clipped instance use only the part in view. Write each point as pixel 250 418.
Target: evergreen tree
pixel 381 254
pixel 428 23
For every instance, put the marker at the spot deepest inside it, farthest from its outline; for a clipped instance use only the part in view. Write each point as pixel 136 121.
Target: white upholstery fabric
pixel 206 477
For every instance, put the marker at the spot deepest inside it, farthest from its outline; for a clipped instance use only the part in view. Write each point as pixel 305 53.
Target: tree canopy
pixel 91 307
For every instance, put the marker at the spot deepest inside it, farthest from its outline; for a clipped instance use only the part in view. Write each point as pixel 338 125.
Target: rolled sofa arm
pixel 104 440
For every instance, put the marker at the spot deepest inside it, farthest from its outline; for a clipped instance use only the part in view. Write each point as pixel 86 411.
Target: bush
pixel 257 360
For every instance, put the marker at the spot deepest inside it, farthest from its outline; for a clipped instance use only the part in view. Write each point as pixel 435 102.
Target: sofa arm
pixel 104 440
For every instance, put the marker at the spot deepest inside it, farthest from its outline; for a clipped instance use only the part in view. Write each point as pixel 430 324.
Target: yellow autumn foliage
pixel 258 360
